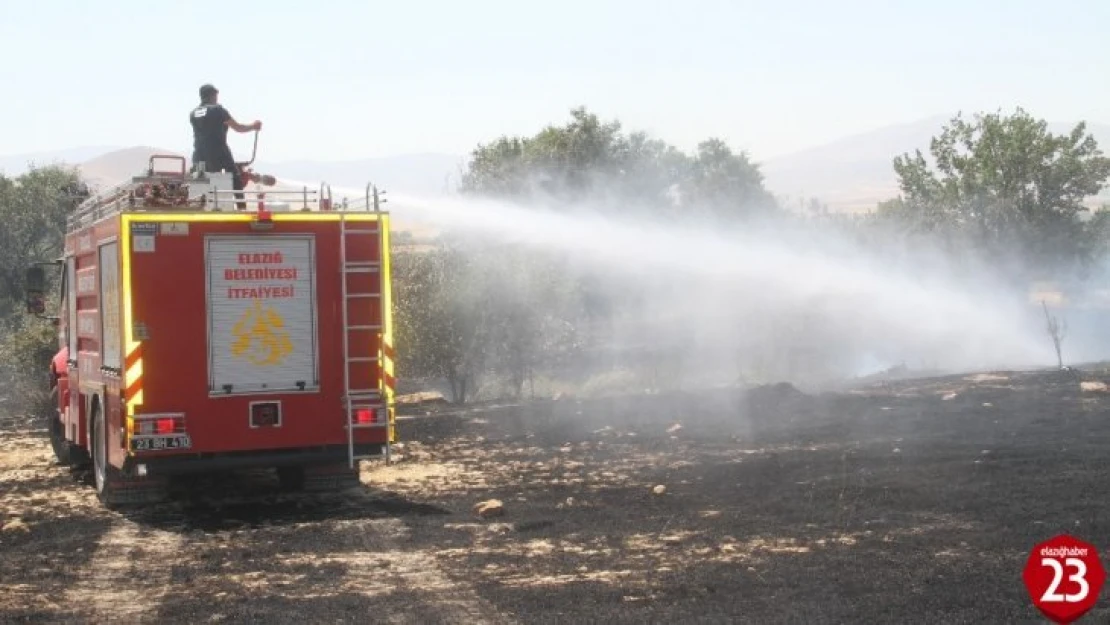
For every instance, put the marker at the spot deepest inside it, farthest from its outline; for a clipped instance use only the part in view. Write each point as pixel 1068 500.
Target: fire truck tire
pixel 102 470
pixel 113 488
pixel 66 452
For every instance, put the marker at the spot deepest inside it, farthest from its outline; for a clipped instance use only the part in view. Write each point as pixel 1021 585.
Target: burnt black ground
pixel 908 502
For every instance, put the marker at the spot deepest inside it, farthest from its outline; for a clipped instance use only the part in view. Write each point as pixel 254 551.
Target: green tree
pixel 1098 232
pixel 33 210
pixel 589 160
pixel 534 313
pixel 489 309
pixel 725 184
pixel 1007 186
pixel 26 346
pixel 498 169
pixel 650 174
pixel 442 317
pixel 564 162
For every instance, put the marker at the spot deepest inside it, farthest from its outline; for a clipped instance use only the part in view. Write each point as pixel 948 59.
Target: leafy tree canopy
pixel 1005 185
pixel 590 160
pixel 33 210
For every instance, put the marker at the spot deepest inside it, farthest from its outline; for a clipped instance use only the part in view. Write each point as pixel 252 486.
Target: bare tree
pixel 1056 330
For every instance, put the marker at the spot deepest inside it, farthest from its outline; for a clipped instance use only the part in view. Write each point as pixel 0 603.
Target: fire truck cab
pixel 196 335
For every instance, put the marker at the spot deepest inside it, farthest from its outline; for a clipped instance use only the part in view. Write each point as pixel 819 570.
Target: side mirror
pixel 34 287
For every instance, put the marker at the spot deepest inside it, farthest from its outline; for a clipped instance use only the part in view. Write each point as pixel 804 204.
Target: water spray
pixel 749 278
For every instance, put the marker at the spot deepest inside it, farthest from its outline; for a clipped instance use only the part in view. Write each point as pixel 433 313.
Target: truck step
pixel 363 359
pixel 331 483
pixel 363 405
pixel 365 327
pixel 362 295
pixel 369 426
pixel 361 266
pixel 361 231
pixel 363 395
pixel 371 403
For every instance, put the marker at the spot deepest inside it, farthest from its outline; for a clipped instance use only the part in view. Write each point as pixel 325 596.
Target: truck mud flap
pixel 123 491
pixel 319 478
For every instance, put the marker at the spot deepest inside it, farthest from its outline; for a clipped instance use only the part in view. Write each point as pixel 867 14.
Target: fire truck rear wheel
pixel 100 454
pixel 63 450
pixel 106 478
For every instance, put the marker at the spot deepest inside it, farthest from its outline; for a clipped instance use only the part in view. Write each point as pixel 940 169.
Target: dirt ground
pixel 906 502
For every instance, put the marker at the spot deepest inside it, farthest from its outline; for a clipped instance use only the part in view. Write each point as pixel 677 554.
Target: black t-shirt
pixel 209 123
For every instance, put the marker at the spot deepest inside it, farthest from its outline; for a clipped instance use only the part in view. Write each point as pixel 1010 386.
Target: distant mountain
pixel 112 168
pixel 16 164
pixel 857 172
pixel 416 174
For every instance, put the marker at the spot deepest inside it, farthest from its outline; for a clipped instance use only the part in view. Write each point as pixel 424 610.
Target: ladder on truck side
pixel 360 393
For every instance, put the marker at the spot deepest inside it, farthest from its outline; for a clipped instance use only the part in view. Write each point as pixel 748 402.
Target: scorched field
pixel 901 502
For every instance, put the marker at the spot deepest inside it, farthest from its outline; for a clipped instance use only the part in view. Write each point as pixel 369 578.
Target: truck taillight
pixel 366 416
pixel 263 220
pixel 158 424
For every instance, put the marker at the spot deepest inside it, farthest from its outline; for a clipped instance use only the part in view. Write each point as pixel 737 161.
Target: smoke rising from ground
pixel 769 300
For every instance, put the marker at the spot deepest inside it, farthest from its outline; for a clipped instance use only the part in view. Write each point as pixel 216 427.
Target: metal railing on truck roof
pixel 321 200
pixel 199 191
pixel 180 190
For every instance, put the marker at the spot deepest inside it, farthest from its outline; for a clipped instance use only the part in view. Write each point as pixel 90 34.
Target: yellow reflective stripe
pixel 329 216
pixel 246 217
pixel 133 361
pixel 387 321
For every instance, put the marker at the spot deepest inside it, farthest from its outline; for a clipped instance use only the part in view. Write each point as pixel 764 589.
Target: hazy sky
pixel 344 79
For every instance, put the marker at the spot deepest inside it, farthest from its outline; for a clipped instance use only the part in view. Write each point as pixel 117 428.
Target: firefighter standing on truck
pixel 210 122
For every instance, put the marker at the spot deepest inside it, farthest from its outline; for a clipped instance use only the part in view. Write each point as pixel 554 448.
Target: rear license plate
pixel 157 443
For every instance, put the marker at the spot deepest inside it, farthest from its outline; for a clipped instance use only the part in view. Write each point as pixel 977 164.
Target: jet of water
pixel 921 311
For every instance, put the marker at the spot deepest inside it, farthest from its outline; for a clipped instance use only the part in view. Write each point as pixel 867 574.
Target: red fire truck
pixel 203 329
